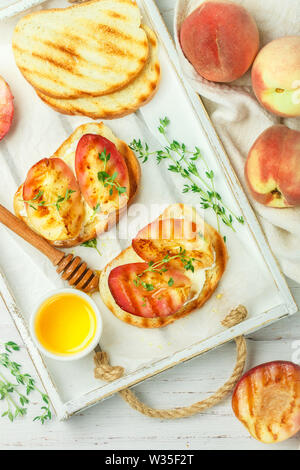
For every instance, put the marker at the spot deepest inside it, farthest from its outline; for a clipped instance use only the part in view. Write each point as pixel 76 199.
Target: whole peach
pixel 6 108
pixel 220 39
pixel 272 169
pixel 276 76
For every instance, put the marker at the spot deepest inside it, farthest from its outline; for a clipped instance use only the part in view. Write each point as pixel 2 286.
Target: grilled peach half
pixel 170 237
pixel 267 401
pixel 6 108
pixel 102 173
pixel 52 200
pixel 148 294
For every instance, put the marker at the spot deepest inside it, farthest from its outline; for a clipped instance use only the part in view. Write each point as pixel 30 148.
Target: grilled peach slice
pixel 148 294
pixel 101 173
pixel 170 237
pixel 267 401
pixel 6 108
pixel 53 201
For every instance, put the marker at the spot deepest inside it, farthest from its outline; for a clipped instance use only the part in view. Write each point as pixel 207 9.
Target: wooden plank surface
pixel 113 425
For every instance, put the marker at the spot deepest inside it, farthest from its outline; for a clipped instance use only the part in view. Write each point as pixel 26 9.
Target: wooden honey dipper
pixel 71 269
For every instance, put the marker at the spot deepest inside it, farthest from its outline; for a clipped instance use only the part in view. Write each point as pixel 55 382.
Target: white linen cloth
pixel 239 118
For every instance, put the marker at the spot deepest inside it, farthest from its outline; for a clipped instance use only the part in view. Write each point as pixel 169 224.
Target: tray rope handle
pixel 104 371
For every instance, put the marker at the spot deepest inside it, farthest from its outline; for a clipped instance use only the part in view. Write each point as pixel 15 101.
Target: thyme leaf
pixel 10 392
pixel 93 243
pixel 182 161
pixel 161 267
pixel 107 179
pixel 38 201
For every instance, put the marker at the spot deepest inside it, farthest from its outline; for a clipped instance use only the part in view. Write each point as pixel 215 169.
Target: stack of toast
pixel 94 59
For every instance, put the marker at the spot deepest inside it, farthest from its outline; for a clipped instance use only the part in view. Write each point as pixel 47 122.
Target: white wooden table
pixel 113 425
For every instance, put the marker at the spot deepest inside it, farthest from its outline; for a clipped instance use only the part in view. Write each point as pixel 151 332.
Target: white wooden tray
pixel 145 353
pixel 10 8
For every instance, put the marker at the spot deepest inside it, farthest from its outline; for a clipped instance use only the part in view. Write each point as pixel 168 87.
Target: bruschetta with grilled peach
pixel 81 190
pixel 172 268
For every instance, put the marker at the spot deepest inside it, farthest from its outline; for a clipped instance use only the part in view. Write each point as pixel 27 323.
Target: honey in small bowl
pixel 67 325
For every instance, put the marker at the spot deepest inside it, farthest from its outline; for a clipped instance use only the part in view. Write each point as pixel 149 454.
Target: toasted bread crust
pixel 60 70
pixel 93 229
pixel 120 103
pixel 212 276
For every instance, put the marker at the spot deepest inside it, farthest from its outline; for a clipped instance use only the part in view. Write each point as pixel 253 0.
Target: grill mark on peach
pixel 152 302
pixel 131 294
pixel 249 385
pixel 257 429
pixel 286 415
pixel 267 379
pixel 293 399
pixel 129 291
pixel 172 300
pixel 69 220
pixel 273 434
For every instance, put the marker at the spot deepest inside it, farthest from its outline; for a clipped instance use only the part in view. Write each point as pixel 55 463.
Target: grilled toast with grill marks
pixel 92 225
pixel 94 48
pixel 120 103
pixel 212 275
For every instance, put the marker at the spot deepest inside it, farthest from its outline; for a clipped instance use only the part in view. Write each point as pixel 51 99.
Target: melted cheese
pixel 197 278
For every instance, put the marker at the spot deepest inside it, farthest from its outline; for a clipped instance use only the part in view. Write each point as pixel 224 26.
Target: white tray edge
pixel 17 7
pixel 288 307
pixel 39 364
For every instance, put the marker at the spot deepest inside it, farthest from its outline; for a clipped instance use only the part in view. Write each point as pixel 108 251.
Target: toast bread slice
pixel 92 226
pixel 93 48
pixel 212 275
pixel 120 103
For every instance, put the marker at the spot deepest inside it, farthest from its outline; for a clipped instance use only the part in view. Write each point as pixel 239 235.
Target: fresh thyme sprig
pixel 183 163
pixel 9 391
pixel 93 243
pixel 109 180
pixel 160 268
pixel 34 203
pixel 96 209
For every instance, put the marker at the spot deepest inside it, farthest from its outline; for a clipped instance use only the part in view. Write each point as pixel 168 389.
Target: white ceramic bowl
pixel 85 351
